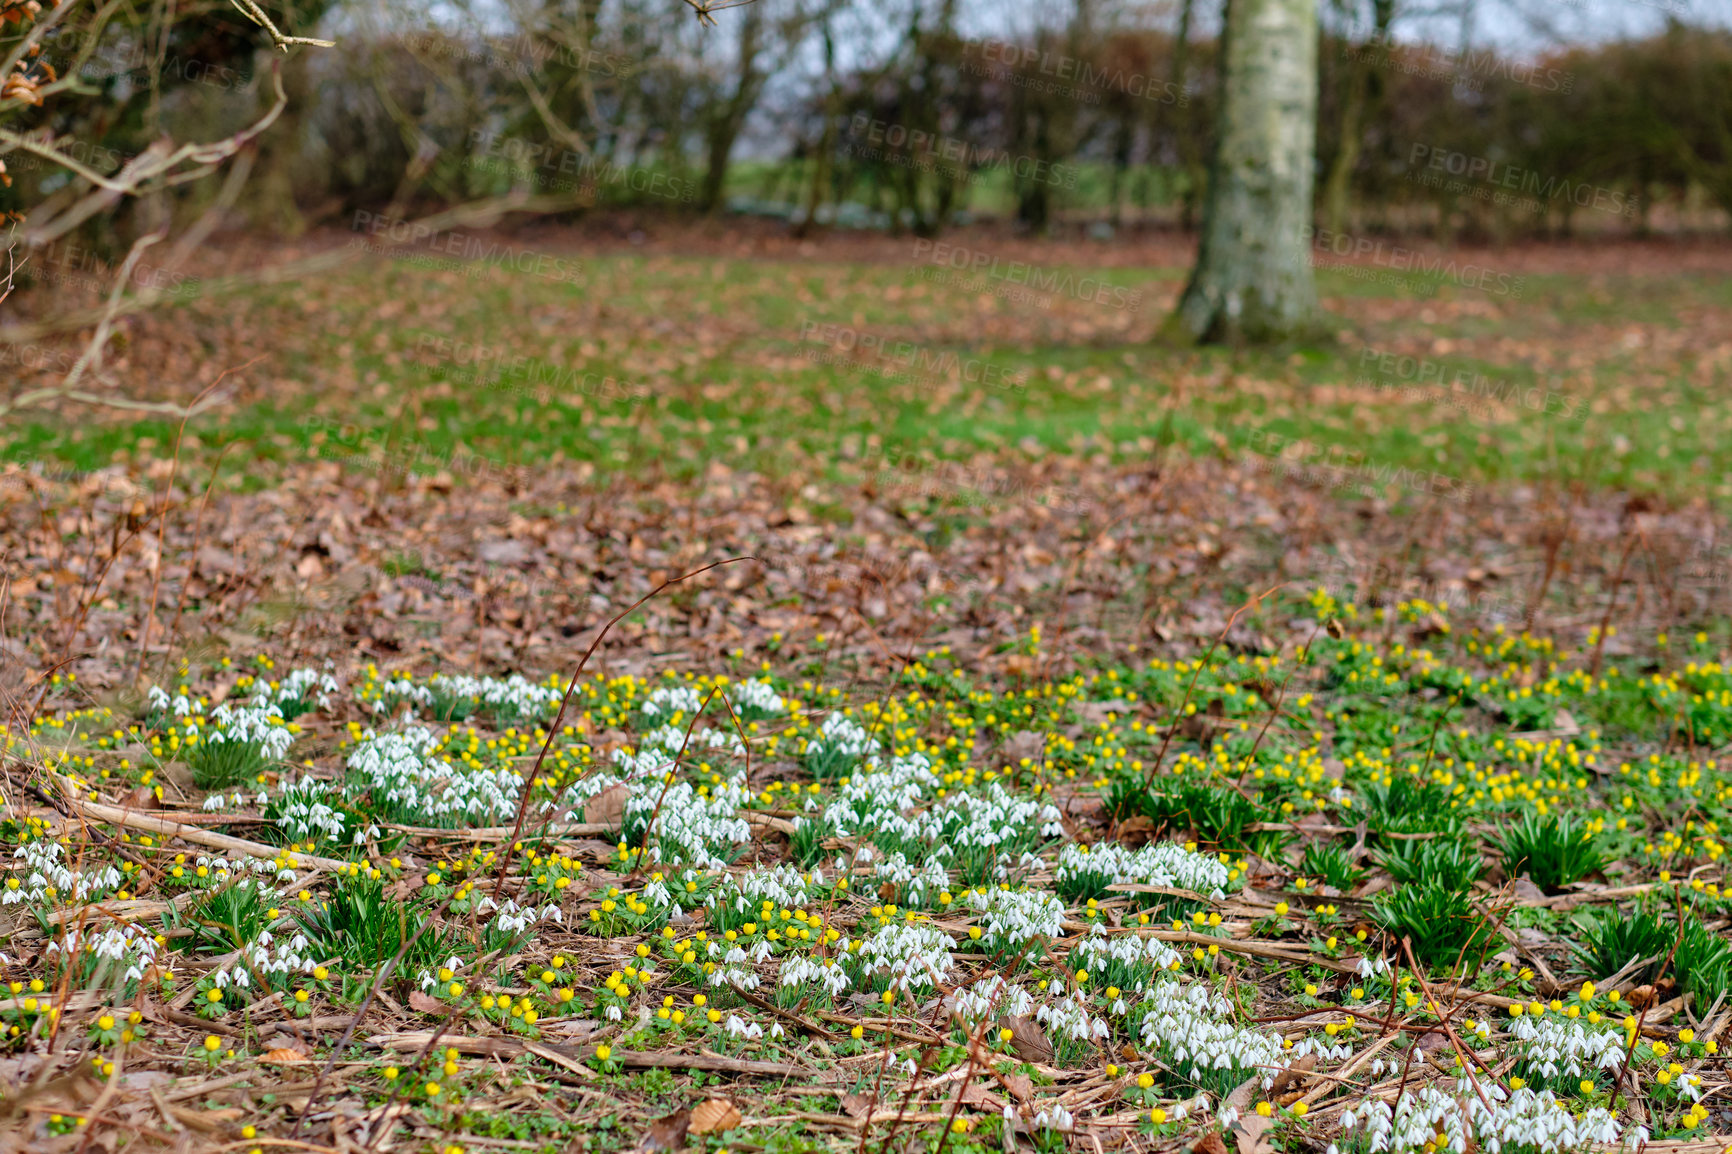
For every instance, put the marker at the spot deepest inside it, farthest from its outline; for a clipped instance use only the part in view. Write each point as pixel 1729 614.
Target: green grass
pixel 708 363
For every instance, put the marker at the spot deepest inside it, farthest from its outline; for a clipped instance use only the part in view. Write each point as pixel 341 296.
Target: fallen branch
pixel 632 1059
pixel 135 820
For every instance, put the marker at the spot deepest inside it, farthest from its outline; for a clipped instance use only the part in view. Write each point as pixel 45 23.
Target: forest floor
pixel 1032 736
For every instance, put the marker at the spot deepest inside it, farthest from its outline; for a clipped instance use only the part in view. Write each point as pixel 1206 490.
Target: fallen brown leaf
pixel 283 1056
pixel 428 1004
pixel 714 1116
pixel 1029 1040
pixel 668 1133
pixel 1251 1129
pixel 608 806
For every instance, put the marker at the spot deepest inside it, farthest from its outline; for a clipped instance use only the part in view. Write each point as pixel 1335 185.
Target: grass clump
pixel 1553 851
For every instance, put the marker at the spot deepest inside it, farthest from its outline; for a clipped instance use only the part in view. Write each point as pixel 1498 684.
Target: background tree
pixel 1253 281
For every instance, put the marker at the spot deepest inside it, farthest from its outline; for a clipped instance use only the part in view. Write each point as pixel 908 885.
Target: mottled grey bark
pixel 1253 282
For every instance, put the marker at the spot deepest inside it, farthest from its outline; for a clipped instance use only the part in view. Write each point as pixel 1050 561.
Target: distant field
pixel 1617 378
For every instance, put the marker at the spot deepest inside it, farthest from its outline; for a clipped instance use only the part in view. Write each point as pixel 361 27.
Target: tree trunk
pixel 726 122
pixel 826 139
pixel 1253 279
pixel 1186 139
pixel 1339 182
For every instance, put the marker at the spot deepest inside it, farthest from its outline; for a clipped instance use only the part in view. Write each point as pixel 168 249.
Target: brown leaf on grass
pixel 1021 1086
pixel 1210 1143
pixel 856 1105
pixel 1029 1040
pixel 608 806
pixel 714 1116
pixel 668 1133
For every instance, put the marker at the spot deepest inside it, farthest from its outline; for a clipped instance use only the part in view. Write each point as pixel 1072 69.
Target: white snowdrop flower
pixel 1187 1027
pixel 991 997
pixel 1013 918
pixel 756 695
pixel 1054 1117
pixel 401 770
pixel 921 882
pixel 1155 864
pixel 913 955
pixel 1553 1045
pixel 307 686
pixel 668 699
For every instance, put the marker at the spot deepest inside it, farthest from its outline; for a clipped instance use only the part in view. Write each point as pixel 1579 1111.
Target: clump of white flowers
pixel 507 698
pixel 1010 919
pixel 740 897
pixel 688 826
pixel 405 776
pixel 804 971
pixel 261 726
pixel 673 739
pixel 1087 871
pixel 1427 1118
pixel 1066 1017
pixel 910 955
pixel 132 947
pixel 1552 1046
pixel 180 705
pixel 303 809
pixel 1123 960
pixel 515 919
pixel 755 699
pixel 300 691
pixel 1187 1029
pixel 917 883
pixel 270 961
pixel 48 879
pixel 670 699
pixel 841 742
pixel 990 998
